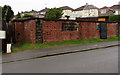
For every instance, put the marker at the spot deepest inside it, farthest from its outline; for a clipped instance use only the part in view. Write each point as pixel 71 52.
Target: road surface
pixel 96 61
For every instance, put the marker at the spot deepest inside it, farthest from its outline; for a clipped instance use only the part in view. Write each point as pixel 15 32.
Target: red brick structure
pixel 25 31
pixel 53 30
pixel 89 30
pixel 19 31
pixel 88 18
pixel 111 29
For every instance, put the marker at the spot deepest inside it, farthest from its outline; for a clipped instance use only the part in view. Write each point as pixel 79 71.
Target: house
pixel 86 11
pixel 105 11
pixel 116 9
pixel 43 11
pixel 32 12
pixel 67 11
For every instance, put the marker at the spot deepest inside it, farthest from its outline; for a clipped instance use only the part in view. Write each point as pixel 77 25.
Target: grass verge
pixel 28 46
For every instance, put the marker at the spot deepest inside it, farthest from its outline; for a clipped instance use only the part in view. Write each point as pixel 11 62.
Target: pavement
pixel 45 52
pixel 103 60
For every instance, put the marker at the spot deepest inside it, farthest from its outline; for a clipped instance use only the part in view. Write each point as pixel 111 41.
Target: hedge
pixel 111 18
pixel 114 18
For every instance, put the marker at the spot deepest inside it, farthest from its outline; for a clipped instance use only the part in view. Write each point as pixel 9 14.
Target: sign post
pixel 3 36
pixel 3 42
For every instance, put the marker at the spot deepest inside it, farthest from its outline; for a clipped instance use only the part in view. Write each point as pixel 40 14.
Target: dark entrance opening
pixel 103 30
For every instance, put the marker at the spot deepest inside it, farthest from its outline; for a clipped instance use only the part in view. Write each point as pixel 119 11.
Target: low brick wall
pixel 19 31
pixel 25 31
pixel 30 31
pixel 111 29
pixel 89 30
pixel 52 31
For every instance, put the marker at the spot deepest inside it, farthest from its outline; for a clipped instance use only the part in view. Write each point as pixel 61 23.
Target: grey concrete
pixel 96 61
pixel 56 50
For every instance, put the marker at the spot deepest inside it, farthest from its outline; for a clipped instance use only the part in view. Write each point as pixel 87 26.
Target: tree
pixel 7 13
pixel 54 13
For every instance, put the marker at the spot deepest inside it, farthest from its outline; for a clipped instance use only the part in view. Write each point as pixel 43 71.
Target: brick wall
pixel 19 31
pixel 111 29
pixel 30 31
pixel 71 35
pixel 52 31
pixel 88 19
pixel 25 31
pixel 89 30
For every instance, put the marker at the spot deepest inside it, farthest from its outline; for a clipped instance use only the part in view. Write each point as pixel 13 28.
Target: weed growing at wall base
pixel 28 46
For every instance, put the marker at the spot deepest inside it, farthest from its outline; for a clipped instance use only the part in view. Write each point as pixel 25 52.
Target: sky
pixel 28 5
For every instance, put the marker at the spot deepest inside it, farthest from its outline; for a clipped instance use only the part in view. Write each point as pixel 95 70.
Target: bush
pixel 28 15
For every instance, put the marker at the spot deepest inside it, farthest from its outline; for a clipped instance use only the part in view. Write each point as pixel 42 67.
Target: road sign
pixel 2 34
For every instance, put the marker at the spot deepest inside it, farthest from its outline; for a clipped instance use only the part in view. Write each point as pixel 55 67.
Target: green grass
pixel 28 46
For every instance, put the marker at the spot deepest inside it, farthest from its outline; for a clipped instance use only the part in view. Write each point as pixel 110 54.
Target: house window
pixel 86 11
pixel 70 26
pixel 103 11
pixel 92 10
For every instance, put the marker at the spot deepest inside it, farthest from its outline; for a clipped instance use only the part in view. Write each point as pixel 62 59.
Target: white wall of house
pixel 104 11
pixel 85 13
pixel 76 14
pixel 67 12
pixel 117 12
pixel 43 13
pixel 90 13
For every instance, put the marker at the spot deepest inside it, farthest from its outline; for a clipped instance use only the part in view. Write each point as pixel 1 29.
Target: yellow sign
pixel 101 19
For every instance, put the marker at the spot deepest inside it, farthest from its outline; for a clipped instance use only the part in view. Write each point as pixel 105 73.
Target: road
pixel 96 61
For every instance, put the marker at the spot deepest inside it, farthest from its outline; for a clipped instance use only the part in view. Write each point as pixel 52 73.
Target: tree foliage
pixel 54 13
pixel 7 13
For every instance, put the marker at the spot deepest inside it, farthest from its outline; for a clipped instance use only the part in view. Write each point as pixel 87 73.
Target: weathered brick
pixel 52 31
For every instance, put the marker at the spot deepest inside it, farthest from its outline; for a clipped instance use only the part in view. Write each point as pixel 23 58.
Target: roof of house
pixel 66 8
pixel 32 11
pixel 115 7
pixel 86 7
pixel 44 10
pixel 105 7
